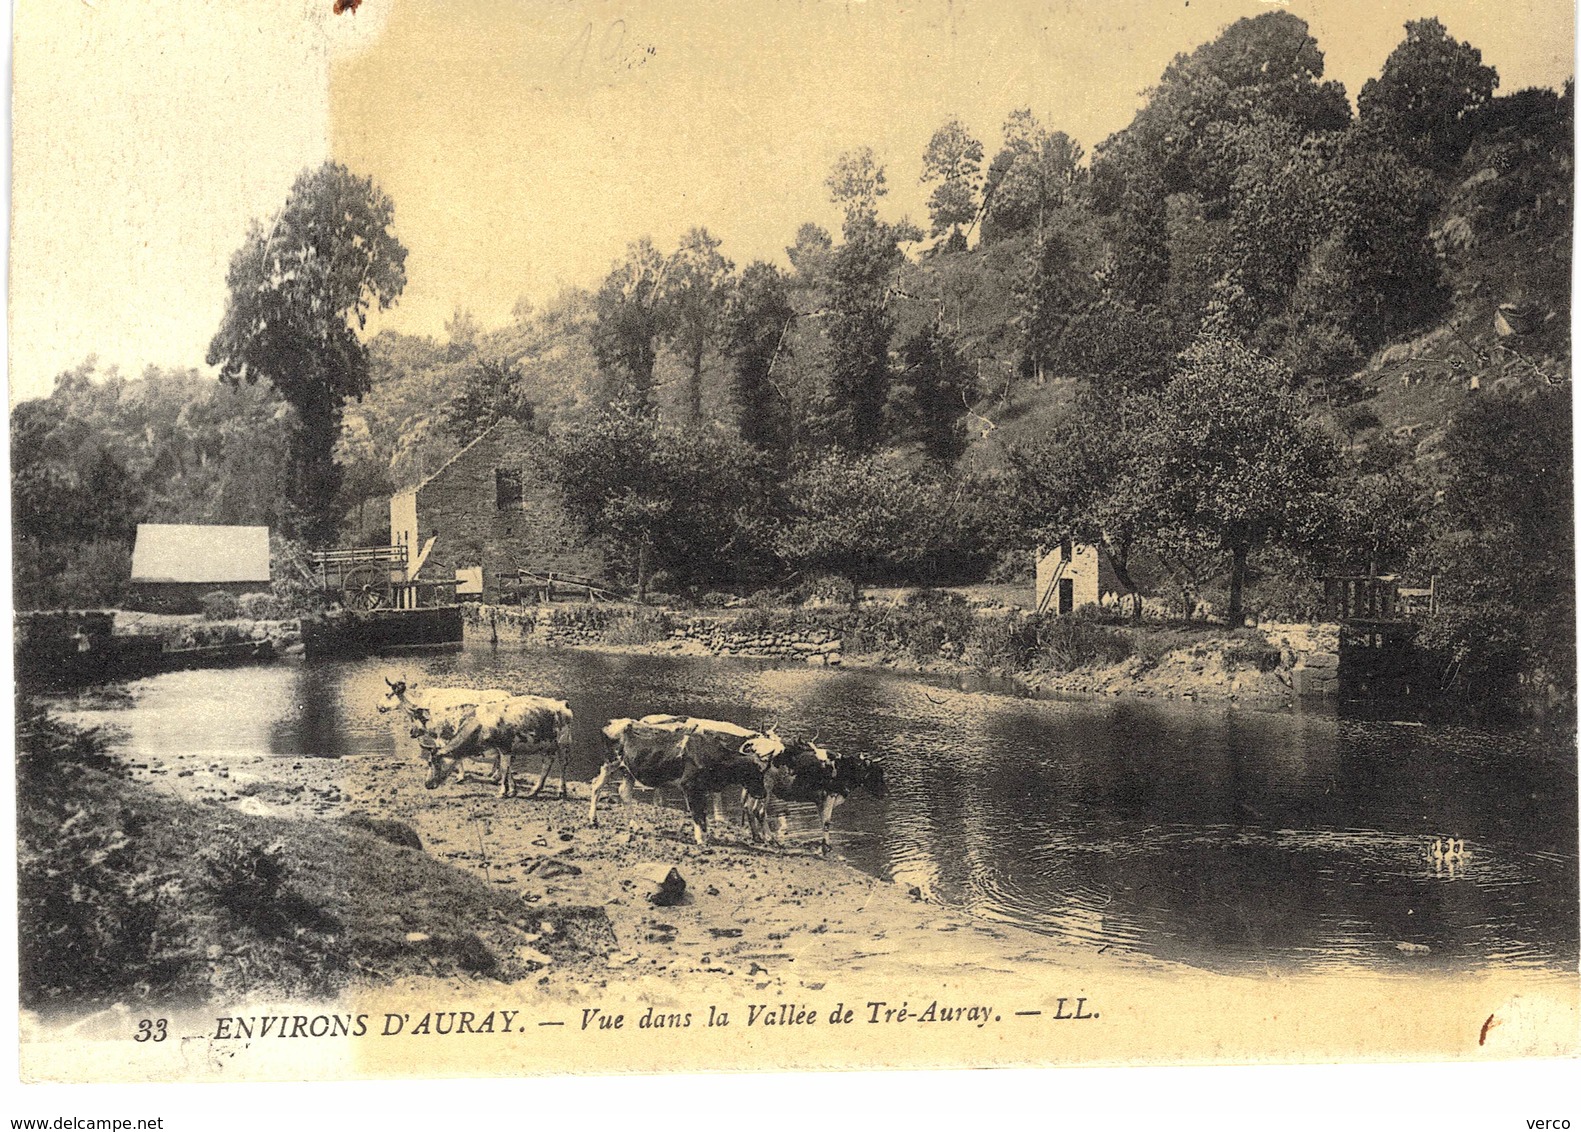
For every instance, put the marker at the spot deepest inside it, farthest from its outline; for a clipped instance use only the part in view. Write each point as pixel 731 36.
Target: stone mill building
pixel 491 510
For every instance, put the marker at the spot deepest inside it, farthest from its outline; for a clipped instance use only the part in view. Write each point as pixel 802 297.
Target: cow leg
pixel 697 806
pixel 592 801
pixel 502 770
pixel 830 801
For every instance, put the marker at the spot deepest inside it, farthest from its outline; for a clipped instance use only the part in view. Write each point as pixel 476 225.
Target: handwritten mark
pixel 351 6
pixel 1482 1038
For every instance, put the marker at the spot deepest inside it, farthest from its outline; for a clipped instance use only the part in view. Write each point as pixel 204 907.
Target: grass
pixel 126 893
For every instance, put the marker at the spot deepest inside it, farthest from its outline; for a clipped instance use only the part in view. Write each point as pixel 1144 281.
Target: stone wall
pixel 1310 653
pixel 585 625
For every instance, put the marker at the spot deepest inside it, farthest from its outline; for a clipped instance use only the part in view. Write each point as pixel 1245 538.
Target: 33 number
pixel 151 1030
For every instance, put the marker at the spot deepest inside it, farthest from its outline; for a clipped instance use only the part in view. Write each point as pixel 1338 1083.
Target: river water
pixel 1226 838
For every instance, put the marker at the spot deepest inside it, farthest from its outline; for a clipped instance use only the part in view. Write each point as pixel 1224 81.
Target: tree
pixel 930 395
pixel 300 292
pixel 881 517
pixel 1227 456
pixel 461 331
pixel 695 285
pixel 758 320
pixel 855 184
pixel 693 502
pixel 630 320
pixel 953 159
pixel 1264 69
pixel 811 252
pixel 1034 174
pixel 1423 100
pixel 492 391
pixel 851 415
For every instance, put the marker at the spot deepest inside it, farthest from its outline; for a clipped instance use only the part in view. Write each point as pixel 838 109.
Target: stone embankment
pixel 816 647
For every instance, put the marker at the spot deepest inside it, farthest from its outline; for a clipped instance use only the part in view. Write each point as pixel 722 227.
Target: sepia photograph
pixel 573 537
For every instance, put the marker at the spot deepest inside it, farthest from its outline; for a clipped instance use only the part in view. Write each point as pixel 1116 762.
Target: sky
pixel 526 142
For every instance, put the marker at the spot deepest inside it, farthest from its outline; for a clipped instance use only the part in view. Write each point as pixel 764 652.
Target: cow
pixel 433 711
pixel 495 730
pixel 673 754
pixel 802 771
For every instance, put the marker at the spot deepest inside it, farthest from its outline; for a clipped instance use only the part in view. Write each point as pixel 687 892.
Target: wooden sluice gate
pixel 382 606
pixel 1378 656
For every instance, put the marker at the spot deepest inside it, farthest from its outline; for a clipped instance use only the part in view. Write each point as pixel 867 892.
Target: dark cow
pixel 496 732
pixel 802 771
pixel 695 763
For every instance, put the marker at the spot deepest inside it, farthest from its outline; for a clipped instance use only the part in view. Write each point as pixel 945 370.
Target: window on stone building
pixel 507 489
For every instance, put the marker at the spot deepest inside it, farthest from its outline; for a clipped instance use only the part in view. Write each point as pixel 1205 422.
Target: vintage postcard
pixel 580 537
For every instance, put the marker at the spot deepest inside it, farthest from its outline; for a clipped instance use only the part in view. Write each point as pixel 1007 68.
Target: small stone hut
pixel 490 510
pixel 175 564
pixel 1074 574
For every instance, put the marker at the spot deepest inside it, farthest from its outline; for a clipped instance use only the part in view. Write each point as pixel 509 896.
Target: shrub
pixel 258 607
pixel 88 913
pixel 1252 650
pixel 219 605
pixel 247 880
pixel 824 589
pixel 1007 643
pixel 715 600
pixel 297 597
pixel 1068 643
pixel 638 628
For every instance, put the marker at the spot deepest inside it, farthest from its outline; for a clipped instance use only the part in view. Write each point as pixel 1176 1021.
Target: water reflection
pixel 1224 838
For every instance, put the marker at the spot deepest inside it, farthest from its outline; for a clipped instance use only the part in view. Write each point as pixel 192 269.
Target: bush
pixel 257 607
pixel 638 628
pixel 1252 651
pixel 1068 643
pixel 220 605
pixel 297 597
pixel 247 880
pixel 715 600
pixel 1006 643
pixel 824 589
pixel 89 915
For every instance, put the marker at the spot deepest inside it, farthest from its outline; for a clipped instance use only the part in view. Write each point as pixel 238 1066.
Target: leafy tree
pixel 695 286
pixel 631 318
pixel 692 502
pixel 462 331
pixel 758 320
pixel 882 517
pixel 492 391
pixel 1034 174
pixel 855 184
pixel 1423 101
pixel 1058 281
pixel 1226 456
pixel 1264 69
pixel 931 394
pixel 851 415
pixel 953 159
pixel 812 251
pixel 300 292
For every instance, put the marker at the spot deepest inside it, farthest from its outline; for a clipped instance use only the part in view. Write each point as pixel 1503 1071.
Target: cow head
pixel 866 771
pixel 395 694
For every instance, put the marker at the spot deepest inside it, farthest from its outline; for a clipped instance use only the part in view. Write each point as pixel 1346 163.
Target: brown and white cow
pixel 666 754
pixel 497 732
pixel 437 713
